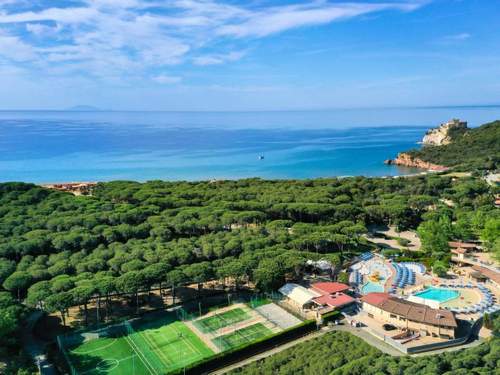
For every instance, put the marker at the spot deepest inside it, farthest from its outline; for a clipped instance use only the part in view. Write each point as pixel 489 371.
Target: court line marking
pixel 155 347
pixel 195 353
pixel 174 349
pixel 145 361
pixel 189 343
pixel 107 359
pixel 94 350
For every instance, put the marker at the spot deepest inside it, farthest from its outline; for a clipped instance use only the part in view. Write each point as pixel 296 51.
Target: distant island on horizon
pixel 84 108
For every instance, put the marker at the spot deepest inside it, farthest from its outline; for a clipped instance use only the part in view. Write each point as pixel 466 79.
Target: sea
pixel 70 146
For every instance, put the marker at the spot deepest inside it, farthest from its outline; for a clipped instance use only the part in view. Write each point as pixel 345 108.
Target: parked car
pixel 388 327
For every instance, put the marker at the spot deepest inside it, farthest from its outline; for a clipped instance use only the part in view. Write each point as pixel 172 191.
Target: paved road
pixel 382 346
pixel 34 347
pixel 359 332
pixel 270 352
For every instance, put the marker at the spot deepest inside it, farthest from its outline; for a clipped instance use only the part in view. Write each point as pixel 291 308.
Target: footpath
pixel 346 328
pixel 34 347
pixel 359 332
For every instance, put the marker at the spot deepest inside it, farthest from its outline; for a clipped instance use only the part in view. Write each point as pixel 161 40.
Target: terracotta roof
pixel 337 300
pixel 329 287
pixel 492 275
pixel 410 310
pixel 375 298
pixel 459 250
pixel 462 245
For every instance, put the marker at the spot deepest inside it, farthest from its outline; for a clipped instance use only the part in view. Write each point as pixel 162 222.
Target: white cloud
pixel 108 38
pixel 218 59
pixel 13 48
pixel 43 30
pixel 165 79
pixel 457 37
pixel 279 19
pixel 62 15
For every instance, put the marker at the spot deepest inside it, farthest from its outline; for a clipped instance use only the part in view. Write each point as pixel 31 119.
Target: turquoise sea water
pixel 88 146
pixel 438 294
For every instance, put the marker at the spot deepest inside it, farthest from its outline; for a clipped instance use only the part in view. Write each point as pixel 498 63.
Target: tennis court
pixel 153 347
pixel 220 320
pixel 242 336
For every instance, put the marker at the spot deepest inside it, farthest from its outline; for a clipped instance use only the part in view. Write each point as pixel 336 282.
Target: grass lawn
pixel 215 322
pixel 242 336
pixel 156 347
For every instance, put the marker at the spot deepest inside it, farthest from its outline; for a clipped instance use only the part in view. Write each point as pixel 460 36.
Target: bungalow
pixel 298 296
pixel 461 252
pixel 493 276
pixel 463 245
pixel 332 294
pixel 330 287
pixel 409 315
pixel 336 301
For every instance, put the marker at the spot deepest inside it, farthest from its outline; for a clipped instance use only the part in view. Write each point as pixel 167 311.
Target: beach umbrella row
pixel 415 266
pixel 404 276
pixel 355 278
pixel 366 256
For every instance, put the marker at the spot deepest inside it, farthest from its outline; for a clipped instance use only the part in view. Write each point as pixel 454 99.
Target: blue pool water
pixel 438 294
pixel 371 287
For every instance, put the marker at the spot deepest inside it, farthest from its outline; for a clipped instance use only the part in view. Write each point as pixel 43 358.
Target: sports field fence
pixel 69 340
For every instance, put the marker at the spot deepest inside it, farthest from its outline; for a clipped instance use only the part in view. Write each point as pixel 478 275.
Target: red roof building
pixel 338 300
pixel 410 311
pixel 326 288
pixel 375 298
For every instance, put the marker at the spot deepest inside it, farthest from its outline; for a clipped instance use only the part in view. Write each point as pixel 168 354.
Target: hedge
pixel 331 316
pixel 237 354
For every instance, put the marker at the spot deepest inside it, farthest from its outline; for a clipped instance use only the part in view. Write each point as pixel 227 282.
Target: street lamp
pixel 439 316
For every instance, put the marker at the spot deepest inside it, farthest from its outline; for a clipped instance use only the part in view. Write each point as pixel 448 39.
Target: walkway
pixel 358 332
pixel 34 347
pixel 369 339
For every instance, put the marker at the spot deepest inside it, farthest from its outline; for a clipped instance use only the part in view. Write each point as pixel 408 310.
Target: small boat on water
pixel 261 157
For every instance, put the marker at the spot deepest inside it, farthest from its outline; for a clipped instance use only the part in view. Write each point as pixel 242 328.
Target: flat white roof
pixel 298 293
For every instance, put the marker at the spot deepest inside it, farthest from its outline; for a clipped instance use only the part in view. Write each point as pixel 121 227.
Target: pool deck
pixel 468 297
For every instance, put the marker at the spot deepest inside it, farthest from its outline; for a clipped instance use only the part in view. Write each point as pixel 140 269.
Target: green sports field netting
pixel 152 347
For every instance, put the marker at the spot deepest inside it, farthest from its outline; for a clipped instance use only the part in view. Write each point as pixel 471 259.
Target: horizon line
pixel 496 105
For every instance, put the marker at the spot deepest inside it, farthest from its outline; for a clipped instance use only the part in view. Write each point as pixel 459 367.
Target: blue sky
pixel 248 55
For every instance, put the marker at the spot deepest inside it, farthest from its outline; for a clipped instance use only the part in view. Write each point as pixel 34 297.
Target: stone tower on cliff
pixel 444 133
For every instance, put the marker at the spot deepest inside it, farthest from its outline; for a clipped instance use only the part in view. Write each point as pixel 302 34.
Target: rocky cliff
pixel 407 160
pixel 444 133
pixel 464 149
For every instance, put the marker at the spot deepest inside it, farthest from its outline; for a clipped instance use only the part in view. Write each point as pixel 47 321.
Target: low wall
pixel 426 347
pixel 425 301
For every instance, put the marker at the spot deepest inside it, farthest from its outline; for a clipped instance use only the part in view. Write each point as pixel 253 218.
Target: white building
pixel 298 295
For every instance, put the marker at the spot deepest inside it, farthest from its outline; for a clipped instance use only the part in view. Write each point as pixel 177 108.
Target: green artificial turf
pixel 218 321
pixel 242 336
pixel 154 348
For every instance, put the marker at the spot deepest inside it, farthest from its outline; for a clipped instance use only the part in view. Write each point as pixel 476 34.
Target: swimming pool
pixel 438 294
pixel 371 287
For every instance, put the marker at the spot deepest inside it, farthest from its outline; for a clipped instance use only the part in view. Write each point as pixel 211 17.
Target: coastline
pixel 406 160
pixel 66 186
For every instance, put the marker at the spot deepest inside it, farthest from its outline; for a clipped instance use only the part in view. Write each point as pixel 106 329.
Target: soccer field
pixel 152 348
pixel 242 336
pixel 223 319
